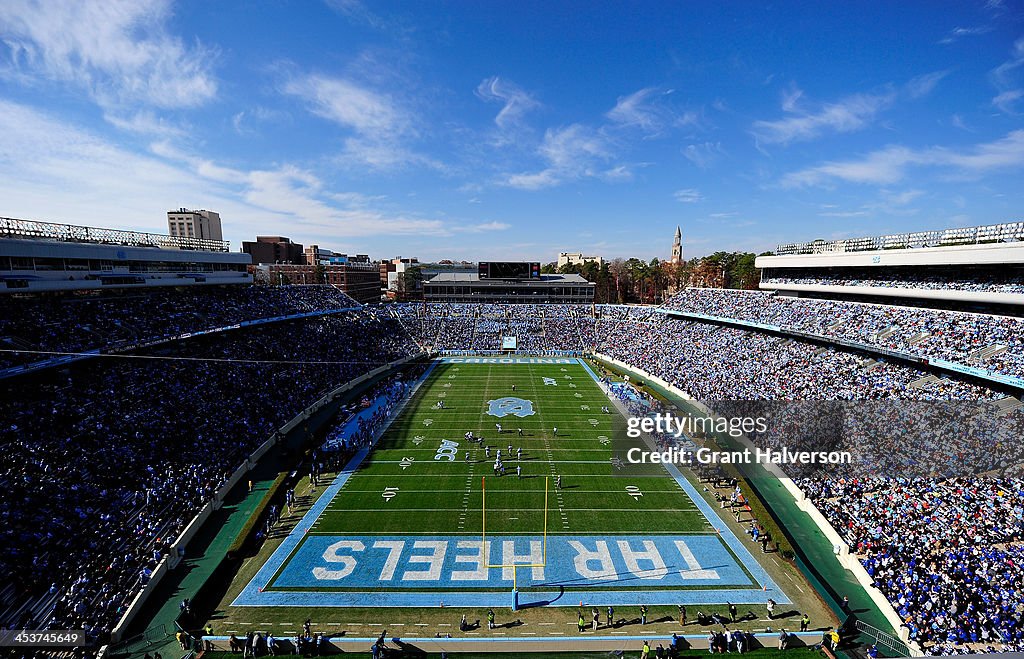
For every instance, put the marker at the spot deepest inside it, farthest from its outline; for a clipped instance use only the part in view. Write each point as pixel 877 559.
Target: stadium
pixel 299 473
pixel 546 329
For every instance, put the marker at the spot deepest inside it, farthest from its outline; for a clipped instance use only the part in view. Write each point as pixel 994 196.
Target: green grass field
pixel 439 502
pixel 438 496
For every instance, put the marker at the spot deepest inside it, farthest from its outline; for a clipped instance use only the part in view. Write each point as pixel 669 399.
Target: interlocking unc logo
pixel 509 406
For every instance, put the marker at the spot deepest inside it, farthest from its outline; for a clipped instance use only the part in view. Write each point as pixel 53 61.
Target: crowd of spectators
pixel 354 429
pixel 715 363
pixel 1014 285
pixel 118 319
pixel 537 327
pixel 929 333
pixel 946 553
pixel 107 461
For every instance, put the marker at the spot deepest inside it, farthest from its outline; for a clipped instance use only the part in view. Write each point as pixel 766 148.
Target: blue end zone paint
pixel 527 599
pixel 548 591
pixel 444 562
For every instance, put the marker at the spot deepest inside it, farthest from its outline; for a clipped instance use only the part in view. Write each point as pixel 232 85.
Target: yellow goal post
pixel 483 536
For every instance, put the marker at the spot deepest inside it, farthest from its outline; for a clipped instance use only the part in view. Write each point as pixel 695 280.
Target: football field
pixel 428 516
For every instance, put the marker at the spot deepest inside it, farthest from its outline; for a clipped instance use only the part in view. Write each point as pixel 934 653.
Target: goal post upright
pixel 514 566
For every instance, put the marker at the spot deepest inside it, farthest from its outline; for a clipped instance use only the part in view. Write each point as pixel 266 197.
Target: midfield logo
pixel 510 406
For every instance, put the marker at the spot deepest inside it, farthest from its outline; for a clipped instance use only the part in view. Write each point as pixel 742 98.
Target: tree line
pixel 633 280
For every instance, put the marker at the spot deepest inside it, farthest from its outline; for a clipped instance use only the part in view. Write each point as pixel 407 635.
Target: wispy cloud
pixel 957 121
pixel 483 227
pixel 703 155
pixel 923 85
pixel 572 152
pixel 349 104
pixel 958 33
pixel 902 198
pixel 516 103
pixel 648 111
pixel 385 153
pixel 638 110
pixel 40 153
pixel 145 122
pixel 1007 101
pixel 791 98
pixel 118 51
pixel 688 195
pixel 1007 79
pixel 889 203
pixel 843 214
pixel 889 165
pixel 380 127
pixel 848 114
pixel 245 121
pixel 533 180
pixel 357 12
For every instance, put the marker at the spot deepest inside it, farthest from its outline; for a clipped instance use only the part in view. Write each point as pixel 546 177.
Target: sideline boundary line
pixel 266 573
pixel 724 532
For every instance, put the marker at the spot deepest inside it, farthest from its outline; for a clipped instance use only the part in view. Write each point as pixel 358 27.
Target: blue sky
pixel 485 130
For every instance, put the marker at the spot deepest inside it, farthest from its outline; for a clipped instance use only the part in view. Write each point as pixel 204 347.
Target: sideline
pixel 724 531
pixel 252 594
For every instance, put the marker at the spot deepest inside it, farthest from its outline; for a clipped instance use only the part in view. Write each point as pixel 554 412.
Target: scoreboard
pixel 508 270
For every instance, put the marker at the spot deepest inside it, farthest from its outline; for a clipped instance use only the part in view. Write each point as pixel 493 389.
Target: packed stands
pixel 82 322
pixel 714 363
pixel 990 284
pixel 994 343
pixel 947 554
pixel 538 327
pixel 105 463
pixel 90 469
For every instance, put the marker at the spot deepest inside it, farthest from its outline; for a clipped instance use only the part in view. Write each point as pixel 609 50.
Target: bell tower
pixel 677 246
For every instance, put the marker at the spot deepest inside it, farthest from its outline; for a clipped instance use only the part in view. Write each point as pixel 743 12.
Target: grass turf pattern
pixel 403 523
